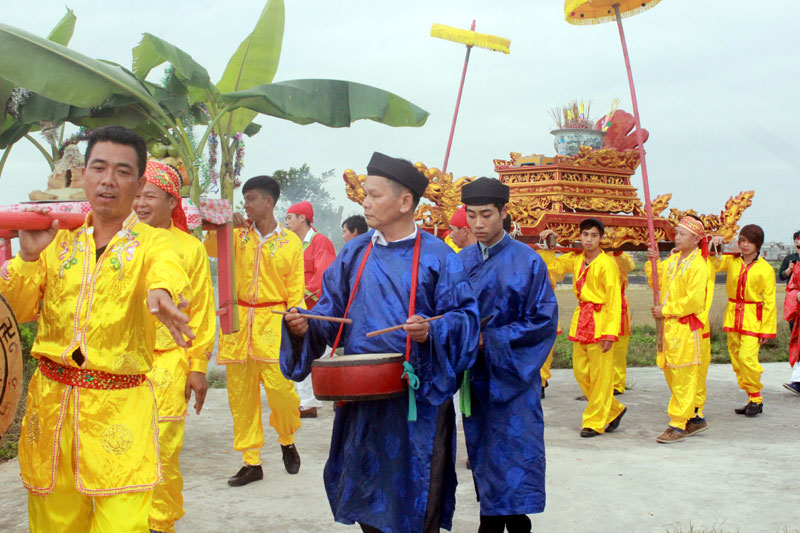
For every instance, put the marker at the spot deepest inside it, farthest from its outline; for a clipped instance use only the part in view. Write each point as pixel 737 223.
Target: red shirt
pixel 317 256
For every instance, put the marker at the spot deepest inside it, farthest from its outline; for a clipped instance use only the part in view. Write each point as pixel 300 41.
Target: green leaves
pixel 255 61
pixel 62 74
pixel 62 33
pixel 153 51
pixel 333 103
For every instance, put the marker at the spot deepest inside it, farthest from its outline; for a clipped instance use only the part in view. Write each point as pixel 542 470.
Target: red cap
pixel 459 218
pixel 303 208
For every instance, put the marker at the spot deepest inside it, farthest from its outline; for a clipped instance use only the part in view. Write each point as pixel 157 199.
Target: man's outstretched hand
pixel 159 302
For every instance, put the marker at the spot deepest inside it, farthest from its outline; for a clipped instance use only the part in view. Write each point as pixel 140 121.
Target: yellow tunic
pixel 597 289
pixel 751 296
pixel 178 362
pixel 682 286
pixel 269 275
pixel 100 308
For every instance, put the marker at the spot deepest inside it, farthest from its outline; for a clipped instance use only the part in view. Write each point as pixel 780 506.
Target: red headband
pixel 303 208
pixel 459 218
pixel 168 180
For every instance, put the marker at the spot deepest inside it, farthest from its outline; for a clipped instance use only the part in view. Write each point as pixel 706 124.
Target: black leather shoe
pixel 543 392
pixel 614 424
pixel 588 432
pixel 753 409
pixel 291 459
pixel 246 474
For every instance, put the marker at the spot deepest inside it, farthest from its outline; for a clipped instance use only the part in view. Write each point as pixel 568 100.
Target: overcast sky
pixel 715 82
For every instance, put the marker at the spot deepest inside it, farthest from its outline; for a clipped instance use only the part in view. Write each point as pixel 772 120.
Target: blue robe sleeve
pixel 516 351
pixel 453 344
pixel 297 353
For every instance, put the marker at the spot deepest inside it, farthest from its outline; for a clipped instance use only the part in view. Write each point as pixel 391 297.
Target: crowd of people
pixel 126 315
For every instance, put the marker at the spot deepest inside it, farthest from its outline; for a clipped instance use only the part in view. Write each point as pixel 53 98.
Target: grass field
pixel 642 346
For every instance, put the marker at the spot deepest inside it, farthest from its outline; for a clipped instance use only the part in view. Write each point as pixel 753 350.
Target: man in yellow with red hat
pixel 88 450
pixel 595 325
pixel 177 371
pixel 269 277
pixel 460 235
pixel 750 316
pixel 318 254
pixel 683 279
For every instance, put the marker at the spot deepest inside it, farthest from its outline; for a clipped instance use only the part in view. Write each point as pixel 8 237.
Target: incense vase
pixel 568 141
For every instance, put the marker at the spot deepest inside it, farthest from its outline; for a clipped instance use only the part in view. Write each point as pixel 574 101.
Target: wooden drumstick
pixel 400 326
pixel 320 317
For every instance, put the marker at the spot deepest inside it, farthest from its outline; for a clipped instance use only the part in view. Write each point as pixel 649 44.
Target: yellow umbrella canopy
pixel 599 11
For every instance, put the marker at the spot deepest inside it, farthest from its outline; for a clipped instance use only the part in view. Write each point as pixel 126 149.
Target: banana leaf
pixel 62 32
pixel 153 51
pixel 333 103
pixel 63 74
pixel 255 62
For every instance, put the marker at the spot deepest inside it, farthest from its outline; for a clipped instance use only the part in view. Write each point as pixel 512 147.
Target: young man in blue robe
pixel 386 472
pixel 504 432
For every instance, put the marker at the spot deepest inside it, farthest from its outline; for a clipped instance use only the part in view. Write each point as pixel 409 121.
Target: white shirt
pixel 262 239
pixel 379 238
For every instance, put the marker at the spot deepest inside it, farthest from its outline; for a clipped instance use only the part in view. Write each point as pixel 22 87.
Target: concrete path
pixel 740 475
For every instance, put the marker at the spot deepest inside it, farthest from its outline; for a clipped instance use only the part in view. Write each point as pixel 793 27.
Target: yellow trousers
pixel 168 376
pixel 544 372
pixel 594 372
pixel 65 510
pixel 682 382
pixel 620 350
pixel 244 398
pixel 702 373
pixel 743 350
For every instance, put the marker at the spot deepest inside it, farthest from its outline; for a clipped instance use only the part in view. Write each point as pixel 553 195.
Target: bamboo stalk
pixel 401 326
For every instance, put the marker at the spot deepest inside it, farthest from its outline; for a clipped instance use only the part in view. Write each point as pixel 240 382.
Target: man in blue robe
pixel 384 471
pixel 504 432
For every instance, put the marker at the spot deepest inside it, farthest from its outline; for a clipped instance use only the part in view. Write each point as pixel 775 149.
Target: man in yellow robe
pixel 88 450
pixel 705 349
pixel 177 371
pixel 595 325
pixel 750 316
pixel 625 265
pixel 544 372
pixel 683 281
pixel 269 277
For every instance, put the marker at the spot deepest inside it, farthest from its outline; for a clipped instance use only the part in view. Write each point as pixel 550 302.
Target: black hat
pixel 484 191
pixel 399 170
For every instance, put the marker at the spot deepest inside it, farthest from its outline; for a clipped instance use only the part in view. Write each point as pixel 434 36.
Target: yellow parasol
pixel 469 38
pixel 598 12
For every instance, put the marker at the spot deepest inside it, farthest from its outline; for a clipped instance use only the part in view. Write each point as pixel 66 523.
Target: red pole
pixel 458 103
pixel 646 185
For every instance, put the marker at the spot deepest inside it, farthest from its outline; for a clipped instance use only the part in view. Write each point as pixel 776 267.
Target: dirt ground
pixel 740 475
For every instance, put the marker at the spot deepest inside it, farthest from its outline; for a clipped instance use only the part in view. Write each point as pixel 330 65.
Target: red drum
pixel 353 378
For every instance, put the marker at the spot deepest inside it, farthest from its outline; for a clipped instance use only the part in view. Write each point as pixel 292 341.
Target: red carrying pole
pixel 458 103
pixel 645 184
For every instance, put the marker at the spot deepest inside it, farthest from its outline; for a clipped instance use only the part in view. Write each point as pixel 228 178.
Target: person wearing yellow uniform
pixel 625 264
pixel 705 346
pixel 595 325
pixel 683 278
pixel 177 371
pixel 544 372
pixel 88 450
pixel 269 277
pixel 460 235
pixel 750 316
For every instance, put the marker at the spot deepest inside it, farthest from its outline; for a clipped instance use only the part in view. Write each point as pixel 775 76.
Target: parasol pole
pixel 646 185
pixel 458 103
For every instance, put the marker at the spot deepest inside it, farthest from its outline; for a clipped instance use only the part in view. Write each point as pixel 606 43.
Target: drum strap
pixel 352 295
pixel 408 368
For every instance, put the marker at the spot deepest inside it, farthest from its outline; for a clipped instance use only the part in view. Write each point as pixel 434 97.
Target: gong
pixel 10 366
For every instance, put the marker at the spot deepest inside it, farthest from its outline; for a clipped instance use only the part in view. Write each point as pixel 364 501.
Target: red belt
pixel 694 322
pixel 740 309
pixel 258 305
pixel 88 379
